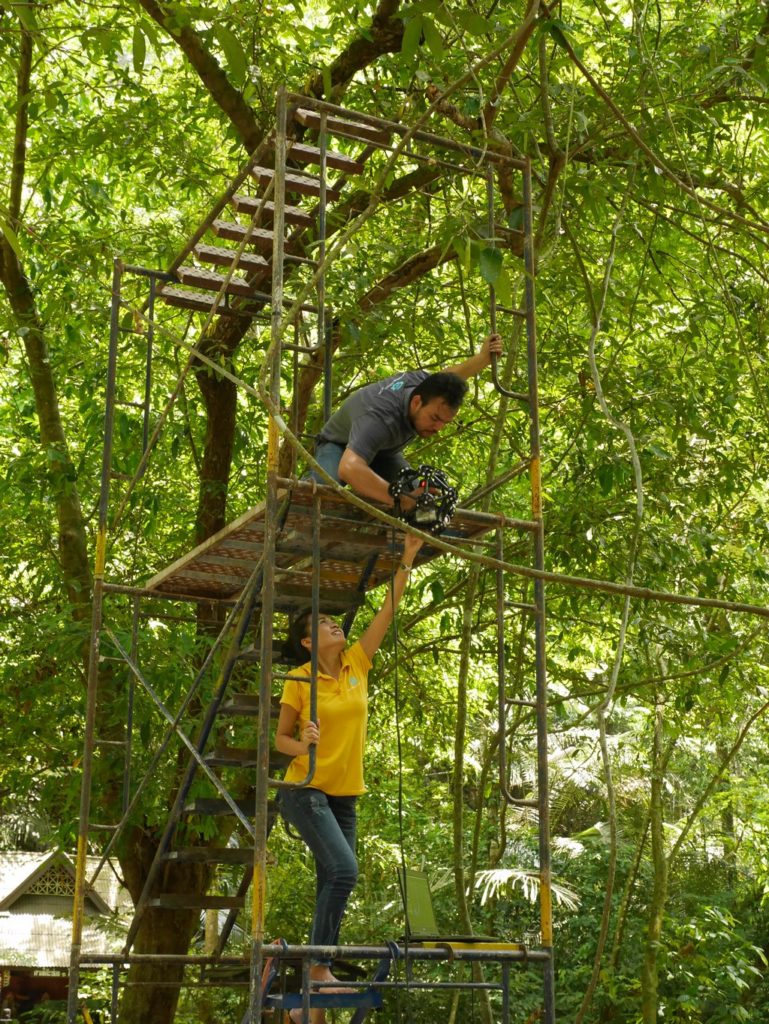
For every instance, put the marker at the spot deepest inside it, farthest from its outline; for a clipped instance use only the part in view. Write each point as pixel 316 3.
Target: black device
pixel 435 498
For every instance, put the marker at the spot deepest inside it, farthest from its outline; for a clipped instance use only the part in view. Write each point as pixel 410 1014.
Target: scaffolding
pixel 306 544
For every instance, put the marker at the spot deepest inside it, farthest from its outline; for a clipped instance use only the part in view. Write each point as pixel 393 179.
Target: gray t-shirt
pixel 374 420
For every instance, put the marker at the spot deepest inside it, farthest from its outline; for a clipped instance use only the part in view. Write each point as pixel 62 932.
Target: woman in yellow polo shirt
pixel 324 812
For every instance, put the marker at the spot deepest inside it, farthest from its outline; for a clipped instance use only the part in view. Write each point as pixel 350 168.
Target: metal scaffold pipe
pixel 78 908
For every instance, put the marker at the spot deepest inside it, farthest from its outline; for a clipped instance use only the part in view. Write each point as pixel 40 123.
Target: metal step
pixel 236 232
pixel 301 153
pixel 212 855
pixel 202 302
pixel 252 204
pixel 304 184
pixel 181 901
pixel 245 757
pixel 196 277
pixel 292 596
pixel 214 805
pixel 367 998
pixel 224 257
pixel 258 237
pixel 254 653
pixel 246 704
pixel 347 129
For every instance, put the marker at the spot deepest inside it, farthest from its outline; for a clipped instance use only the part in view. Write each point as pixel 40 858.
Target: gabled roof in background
pixel 43 940
pixel 20 872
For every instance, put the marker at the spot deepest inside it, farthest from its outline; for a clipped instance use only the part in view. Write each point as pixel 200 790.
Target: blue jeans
pixel 327 824
pixel 329 454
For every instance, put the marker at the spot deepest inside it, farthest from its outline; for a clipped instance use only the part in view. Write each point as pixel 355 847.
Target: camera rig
pixel 436 499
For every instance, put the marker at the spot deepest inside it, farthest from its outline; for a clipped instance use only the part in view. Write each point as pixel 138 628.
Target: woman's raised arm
pixel 372 639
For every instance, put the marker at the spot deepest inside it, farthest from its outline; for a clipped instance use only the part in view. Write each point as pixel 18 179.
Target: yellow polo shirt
pixel 342 714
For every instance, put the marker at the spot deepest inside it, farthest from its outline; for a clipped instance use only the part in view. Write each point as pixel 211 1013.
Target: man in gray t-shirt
pixel 362 443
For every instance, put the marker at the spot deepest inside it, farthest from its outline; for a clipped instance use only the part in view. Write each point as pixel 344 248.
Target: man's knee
pixel 328 456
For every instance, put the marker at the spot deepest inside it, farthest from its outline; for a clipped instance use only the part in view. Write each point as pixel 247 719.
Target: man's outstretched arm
pixel 475 364
pixel 357 474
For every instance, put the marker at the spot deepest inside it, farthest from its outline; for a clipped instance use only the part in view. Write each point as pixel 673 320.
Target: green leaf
pixel 515 219
pixel 139 50
pixel 234 53
pixel 10 237
pixel 474 23
pixel 504 288
pixel 327 85
pixel 433 38
pixel 490 264
pixel 26 13
pixel 605 477
pixel 150 30
pixel 557 29
pixel 411 36
pixel 463 250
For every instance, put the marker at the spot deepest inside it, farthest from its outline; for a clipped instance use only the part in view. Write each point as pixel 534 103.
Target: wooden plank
pixel 305 184
pixel 252 204
pixel 338 126
pixel 224 257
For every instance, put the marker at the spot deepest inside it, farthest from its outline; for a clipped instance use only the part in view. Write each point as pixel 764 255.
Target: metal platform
pixel 357 552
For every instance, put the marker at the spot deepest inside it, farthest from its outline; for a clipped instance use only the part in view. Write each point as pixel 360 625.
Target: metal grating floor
pixel 349 540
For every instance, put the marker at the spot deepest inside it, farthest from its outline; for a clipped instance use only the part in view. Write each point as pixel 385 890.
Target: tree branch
pixel 72 543
pixel 211 74
pixel 653 157
pixel 523 35
pixel 19 162
pixel 414 267
pixel 384 36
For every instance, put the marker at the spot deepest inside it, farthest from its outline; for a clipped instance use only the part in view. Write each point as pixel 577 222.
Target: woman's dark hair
pixel 449 386
pixel 298 630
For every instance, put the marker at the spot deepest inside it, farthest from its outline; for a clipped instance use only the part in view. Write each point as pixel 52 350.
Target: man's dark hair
pixel 298 630
pixel 449 386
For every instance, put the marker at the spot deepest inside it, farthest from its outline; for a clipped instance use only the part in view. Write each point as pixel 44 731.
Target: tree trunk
pixel 152 991
pixel 659 890
pixel 72 539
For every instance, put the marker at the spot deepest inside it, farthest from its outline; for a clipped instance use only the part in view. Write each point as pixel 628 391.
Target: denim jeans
pixel 327 825
pixel 329 454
